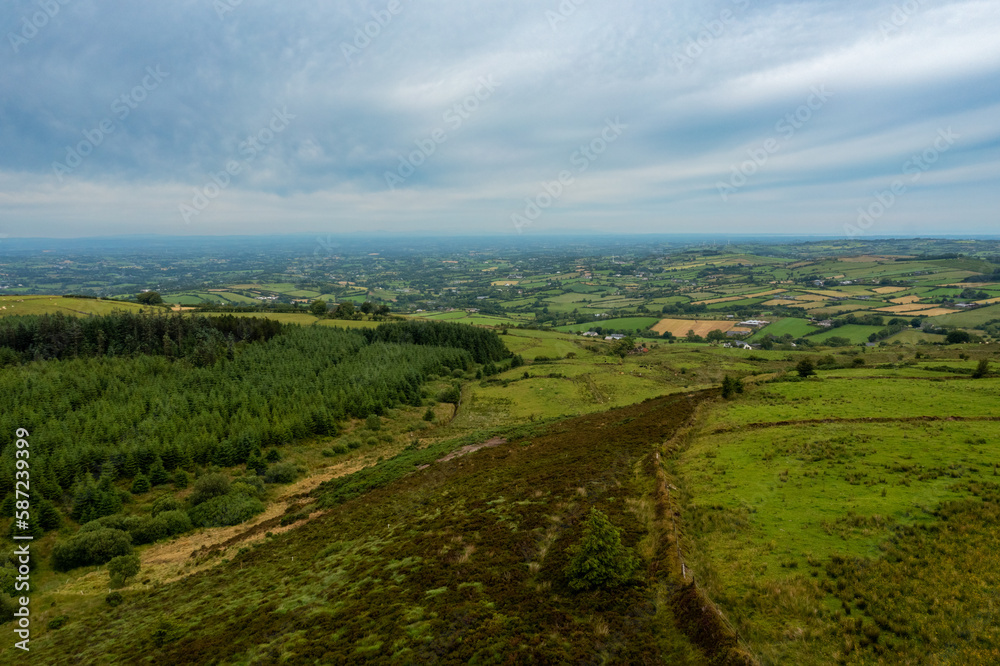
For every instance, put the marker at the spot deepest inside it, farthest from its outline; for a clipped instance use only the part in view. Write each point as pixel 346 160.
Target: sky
pixel 216 117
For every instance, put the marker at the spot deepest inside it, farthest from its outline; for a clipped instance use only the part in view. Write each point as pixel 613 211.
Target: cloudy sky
pixel 828 117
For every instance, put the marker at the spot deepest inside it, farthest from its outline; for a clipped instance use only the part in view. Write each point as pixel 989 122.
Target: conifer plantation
pixel 121 403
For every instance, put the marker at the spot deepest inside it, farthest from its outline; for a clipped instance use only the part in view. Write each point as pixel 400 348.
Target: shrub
pixel 599 560
pixel 114 598
pixel 209 487
pixel 273 456
pixel 805 368
pixel 166 503
pixel 177 522
pixel 337 449
pixel 146 529
pixel 252 486
pixel 354 443
pixel 958 337
pixel 285 472
pixel 122 568
pixel 373 422
pixel 58 621
pixel 225 510
pixel 92 547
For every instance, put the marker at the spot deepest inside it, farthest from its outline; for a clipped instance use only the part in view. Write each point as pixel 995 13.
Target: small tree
pixel 140 485
pixel 599 560
pixel 731 386
pixel 958 337
pixel 318 308
pixel 806 368
pixel 982 369
pixel 150 298
pixel 158 473
pixel 122 568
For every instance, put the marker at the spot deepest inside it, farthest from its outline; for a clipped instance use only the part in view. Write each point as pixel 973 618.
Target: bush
pixel 181 480
pixel 114 599
pixel 92 547
pixel 225 510
pixel 122 568
pixel 141 529
pixel 599 560
pixel 805 368
pixel 337 449
pixel 167 503
pixel 145 529
pixel 58 621
pixel 958 337
pixel 177 522
pixel 251 486
pixel 285 472
pixel 209 487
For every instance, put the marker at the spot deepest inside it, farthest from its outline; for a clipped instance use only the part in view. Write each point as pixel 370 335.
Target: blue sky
pixel 501 116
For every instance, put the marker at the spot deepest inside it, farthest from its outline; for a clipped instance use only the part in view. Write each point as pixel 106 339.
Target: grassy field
pixel 853 332
pixel 790 326
pixel 34 305
pixel 626 323
pixel 848 520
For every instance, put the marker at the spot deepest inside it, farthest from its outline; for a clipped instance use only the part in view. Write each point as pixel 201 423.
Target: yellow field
pixel 988 301
pixel 780 301
pixel 889 290
pixel 740 297
pixel 811 297
pixel 829 293
pixel 905 300
pixel 936 312
pixel 906 309
pixel 680 327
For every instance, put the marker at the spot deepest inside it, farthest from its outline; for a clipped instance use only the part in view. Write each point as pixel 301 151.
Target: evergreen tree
pixel 599 560
pixel 140 485
pixel 158 473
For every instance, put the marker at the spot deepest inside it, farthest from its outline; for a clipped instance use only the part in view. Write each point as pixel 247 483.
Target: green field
pixel 790 326
pixel 809 528
pixel 853 332
pixel 625 323
pixel 35 305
